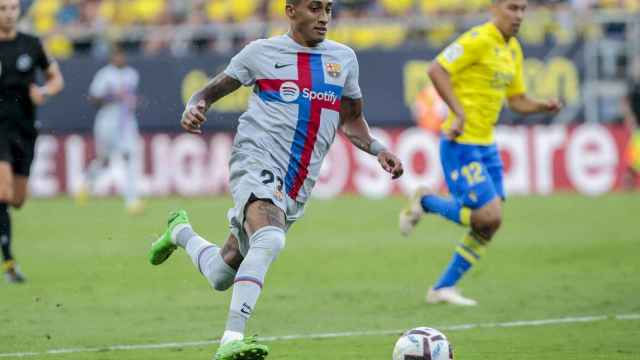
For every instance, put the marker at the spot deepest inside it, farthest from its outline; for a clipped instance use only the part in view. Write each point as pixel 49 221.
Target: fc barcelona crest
pixel 334 70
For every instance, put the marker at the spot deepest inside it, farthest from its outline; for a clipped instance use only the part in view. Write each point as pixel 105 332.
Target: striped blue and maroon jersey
pixel 293 113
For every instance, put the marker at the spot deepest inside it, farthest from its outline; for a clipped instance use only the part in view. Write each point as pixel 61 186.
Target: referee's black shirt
pixel 19 59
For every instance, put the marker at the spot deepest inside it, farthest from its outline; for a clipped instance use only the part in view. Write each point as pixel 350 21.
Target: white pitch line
pixel 459 327
pixel 628 317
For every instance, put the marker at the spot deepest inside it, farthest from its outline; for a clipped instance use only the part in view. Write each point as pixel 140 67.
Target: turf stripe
pixel 459 327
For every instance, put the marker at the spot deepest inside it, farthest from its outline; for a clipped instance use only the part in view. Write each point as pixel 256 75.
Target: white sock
pixel 265 245
pixel 231 336
pixel 183 239
pixel 195 247
pixel 205 256
pixel 94 171
pixel 130 192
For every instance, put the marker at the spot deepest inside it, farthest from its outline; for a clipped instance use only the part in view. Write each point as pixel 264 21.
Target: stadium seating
pixel 360 23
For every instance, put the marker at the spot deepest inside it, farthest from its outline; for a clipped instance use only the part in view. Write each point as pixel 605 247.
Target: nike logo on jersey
pixel 280 66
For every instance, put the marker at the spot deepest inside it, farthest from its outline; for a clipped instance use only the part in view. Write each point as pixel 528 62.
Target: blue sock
pixel 447 208
pixel 468 252
pixel 456 268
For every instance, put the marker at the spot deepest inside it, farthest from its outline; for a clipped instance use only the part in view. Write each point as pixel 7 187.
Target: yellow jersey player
pixel 474 76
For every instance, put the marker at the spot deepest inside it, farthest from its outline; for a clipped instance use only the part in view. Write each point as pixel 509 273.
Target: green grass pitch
pixel 345 269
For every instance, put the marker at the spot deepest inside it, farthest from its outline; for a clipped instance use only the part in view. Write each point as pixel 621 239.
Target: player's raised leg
pixel 218 265
pixel 425 201
pixel 462 170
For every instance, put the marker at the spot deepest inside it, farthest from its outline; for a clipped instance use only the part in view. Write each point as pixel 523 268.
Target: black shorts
pixel 19 151
pixel 16 147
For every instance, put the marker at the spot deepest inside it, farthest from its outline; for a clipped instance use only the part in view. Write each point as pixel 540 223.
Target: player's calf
pixel 487 220
pixel 219 266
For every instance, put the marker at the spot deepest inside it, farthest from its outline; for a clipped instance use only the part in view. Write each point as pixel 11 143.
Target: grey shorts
pixel 252 175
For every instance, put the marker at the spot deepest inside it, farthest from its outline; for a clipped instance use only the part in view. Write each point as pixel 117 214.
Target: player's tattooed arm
pixel 194 113
pixel 217 88
pixel 355 127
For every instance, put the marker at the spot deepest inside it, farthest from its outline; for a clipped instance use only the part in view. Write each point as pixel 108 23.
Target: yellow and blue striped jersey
pixel 485 69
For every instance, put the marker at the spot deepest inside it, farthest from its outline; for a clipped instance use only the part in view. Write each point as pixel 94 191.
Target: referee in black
pixel 21 55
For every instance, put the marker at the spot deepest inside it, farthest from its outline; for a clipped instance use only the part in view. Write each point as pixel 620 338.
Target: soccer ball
pixel 422 343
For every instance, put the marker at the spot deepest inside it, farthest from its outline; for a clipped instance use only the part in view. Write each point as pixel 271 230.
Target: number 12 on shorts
pixel 473 173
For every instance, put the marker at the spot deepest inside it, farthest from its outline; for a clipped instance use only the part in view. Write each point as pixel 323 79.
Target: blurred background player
pixel 631 112
pixel 306 88
pixel 21 55
pixel 429 110
pixel 473 76
pixel 114 91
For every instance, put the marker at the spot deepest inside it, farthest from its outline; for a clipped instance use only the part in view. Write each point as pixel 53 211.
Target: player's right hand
pixel 456 128
pixel 193 117
pixel 37 94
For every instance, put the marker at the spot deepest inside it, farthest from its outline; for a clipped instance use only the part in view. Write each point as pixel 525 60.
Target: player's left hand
pixel 552 106
pixel 391 164
pixel 37 94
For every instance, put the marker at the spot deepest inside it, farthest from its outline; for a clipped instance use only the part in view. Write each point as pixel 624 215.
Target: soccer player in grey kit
pixel 305 88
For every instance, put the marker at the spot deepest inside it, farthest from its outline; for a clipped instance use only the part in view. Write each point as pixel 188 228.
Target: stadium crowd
pixel 73 26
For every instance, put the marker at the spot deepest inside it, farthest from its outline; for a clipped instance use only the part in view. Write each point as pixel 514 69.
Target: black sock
pixel 5 232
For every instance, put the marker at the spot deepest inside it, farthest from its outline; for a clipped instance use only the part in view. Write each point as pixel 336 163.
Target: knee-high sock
pixel 467 253
pixel 130 190
pixel 94 171
pixel 5 232
pixel 447 208
pixel 265 245
pixel 206 258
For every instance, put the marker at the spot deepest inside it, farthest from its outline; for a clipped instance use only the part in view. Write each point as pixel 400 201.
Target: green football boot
pixel 162 248
pixel 245 349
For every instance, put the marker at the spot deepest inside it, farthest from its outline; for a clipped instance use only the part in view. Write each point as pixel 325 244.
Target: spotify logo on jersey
pixel 289 91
